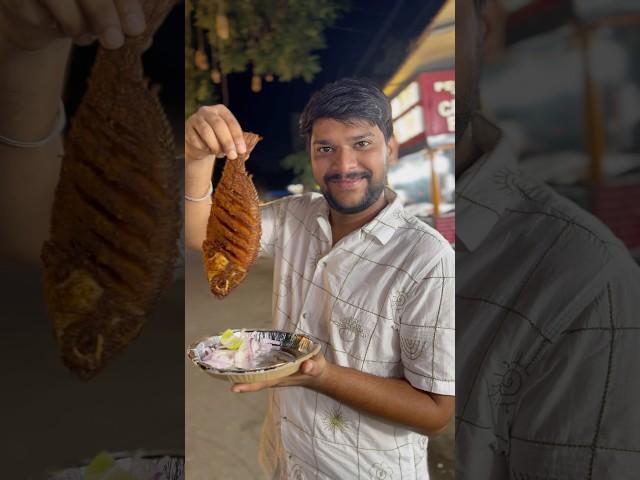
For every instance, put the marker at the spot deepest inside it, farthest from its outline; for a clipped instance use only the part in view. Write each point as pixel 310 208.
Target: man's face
pixel 349 162
pixel 468 57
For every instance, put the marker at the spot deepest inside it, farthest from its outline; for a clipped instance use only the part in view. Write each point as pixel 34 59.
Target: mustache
pixel 336 177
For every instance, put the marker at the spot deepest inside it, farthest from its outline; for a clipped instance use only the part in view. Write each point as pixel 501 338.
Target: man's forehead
pixel 329 127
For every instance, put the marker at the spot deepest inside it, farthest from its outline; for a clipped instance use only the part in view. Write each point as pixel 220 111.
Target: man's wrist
pixel 198 175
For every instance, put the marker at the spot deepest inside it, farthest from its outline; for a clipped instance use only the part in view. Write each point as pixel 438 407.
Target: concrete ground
pixel 222 428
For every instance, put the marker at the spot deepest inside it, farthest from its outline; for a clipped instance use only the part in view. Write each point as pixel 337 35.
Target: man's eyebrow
pixel 356 138
pixel 362 136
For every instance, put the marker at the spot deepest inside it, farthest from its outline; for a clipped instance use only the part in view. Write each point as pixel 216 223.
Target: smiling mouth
pixel 347 181
pixel 347 184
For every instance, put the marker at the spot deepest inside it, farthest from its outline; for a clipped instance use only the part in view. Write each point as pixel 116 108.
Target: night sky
pixel 356 45
pixel 370 40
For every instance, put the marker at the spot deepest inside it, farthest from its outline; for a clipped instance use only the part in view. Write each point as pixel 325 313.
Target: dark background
pixel 51 420
pixel 370 40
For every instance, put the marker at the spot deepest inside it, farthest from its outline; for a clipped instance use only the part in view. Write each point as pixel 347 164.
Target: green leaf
pixel 280 37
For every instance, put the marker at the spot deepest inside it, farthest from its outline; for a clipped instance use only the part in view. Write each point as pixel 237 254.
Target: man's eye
pixel 325 149
pixel 363 143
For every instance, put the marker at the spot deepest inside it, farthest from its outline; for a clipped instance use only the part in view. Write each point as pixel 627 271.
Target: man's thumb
pixel 307 367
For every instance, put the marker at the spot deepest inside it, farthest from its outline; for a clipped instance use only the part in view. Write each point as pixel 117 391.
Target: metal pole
pixel 435 186
pixel 595 136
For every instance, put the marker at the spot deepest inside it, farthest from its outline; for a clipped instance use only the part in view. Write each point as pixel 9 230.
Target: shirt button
pixel 324 264
pixel 304 315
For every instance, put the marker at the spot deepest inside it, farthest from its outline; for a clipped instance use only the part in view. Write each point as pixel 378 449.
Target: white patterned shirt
pixel 547 333
pixel 380 301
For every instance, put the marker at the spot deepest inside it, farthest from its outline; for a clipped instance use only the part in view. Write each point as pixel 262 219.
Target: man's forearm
pixel 196 184
pixel 390 398
pixel 30 89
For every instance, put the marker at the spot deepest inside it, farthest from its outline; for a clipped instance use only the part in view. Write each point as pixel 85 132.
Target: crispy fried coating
pixel 116 215
pixel 233 230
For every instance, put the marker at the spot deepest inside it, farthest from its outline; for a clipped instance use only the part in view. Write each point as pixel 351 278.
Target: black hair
pixel 348 100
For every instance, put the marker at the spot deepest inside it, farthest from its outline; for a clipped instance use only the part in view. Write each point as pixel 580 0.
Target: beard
pixel 370 196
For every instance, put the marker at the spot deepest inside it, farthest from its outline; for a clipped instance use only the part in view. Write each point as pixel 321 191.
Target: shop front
pixel 422 95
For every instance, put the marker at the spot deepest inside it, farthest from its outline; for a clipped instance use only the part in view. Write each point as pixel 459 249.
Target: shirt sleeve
pixel 427 329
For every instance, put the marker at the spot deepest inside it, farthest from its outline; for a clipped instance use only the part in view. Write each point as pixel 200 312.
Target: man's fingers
pixel 131 17
pixel 104 21
pixel 307 367
pixel 223 135
pixel 85 20
pixel 206 135
pixel 69 16
pixel 193 140
pixel 30 11
pixel 242 388
pixel 234 129
pixel 250 387
pixel 218 130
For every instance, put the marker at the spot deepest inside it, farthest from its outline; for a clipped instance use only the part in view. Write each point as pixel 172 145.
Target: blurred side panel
pixel 548 235
pixel 60 414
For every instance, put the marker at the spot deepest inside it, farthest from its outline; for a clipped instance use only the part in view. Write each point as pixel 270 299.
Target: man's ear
pixel 392 150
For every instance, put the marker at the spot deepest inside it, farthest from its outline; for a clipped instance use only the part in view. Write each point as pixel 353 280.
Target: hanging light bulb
pixel 256 83
pixel 269 77
pixel 201 60
pixel 216 76
pixel 222 26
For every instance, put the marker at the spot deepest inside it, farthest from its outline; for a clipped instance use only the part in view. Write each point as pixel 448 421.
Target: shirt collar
pixel 482 192
pixel 322 217
pixel 382 227
pixel 385 224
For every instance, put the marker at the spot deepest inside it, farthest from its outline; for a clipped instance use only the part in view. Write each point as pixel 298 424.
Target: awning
pixel 434 49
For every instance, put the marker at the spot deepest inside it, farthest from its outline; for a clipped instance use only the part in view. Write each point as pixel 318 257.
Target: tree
pixel 198 82
pixel 301 166
pixel 274 39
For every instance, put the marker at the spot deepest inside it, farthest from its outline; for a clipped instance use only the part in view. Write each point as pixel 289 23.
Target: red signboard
pixel 619 207
pixel 438 92
pixel 446 225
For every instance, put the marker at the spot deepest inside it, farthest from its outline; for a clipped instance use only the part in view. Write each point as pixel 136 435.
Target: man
pixel 370 283
pixel 547 302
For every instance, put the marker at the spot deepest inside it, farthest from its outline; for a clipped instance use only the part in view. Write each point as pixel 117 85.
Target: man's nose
pixel 345 160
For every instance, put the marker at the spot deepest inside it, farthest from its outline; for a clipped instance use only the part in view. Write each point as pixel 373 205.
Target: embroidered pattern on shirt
pixel 380 471
pixel 398 300
pixel 508 382
pixel 334 420
pixel 350 328
pixel 412 347
pixel 297 473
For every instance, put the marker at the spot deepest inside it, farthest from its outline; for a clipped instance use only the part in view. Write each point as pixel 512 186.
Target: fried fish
pixel 233 231
pixel 116 218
